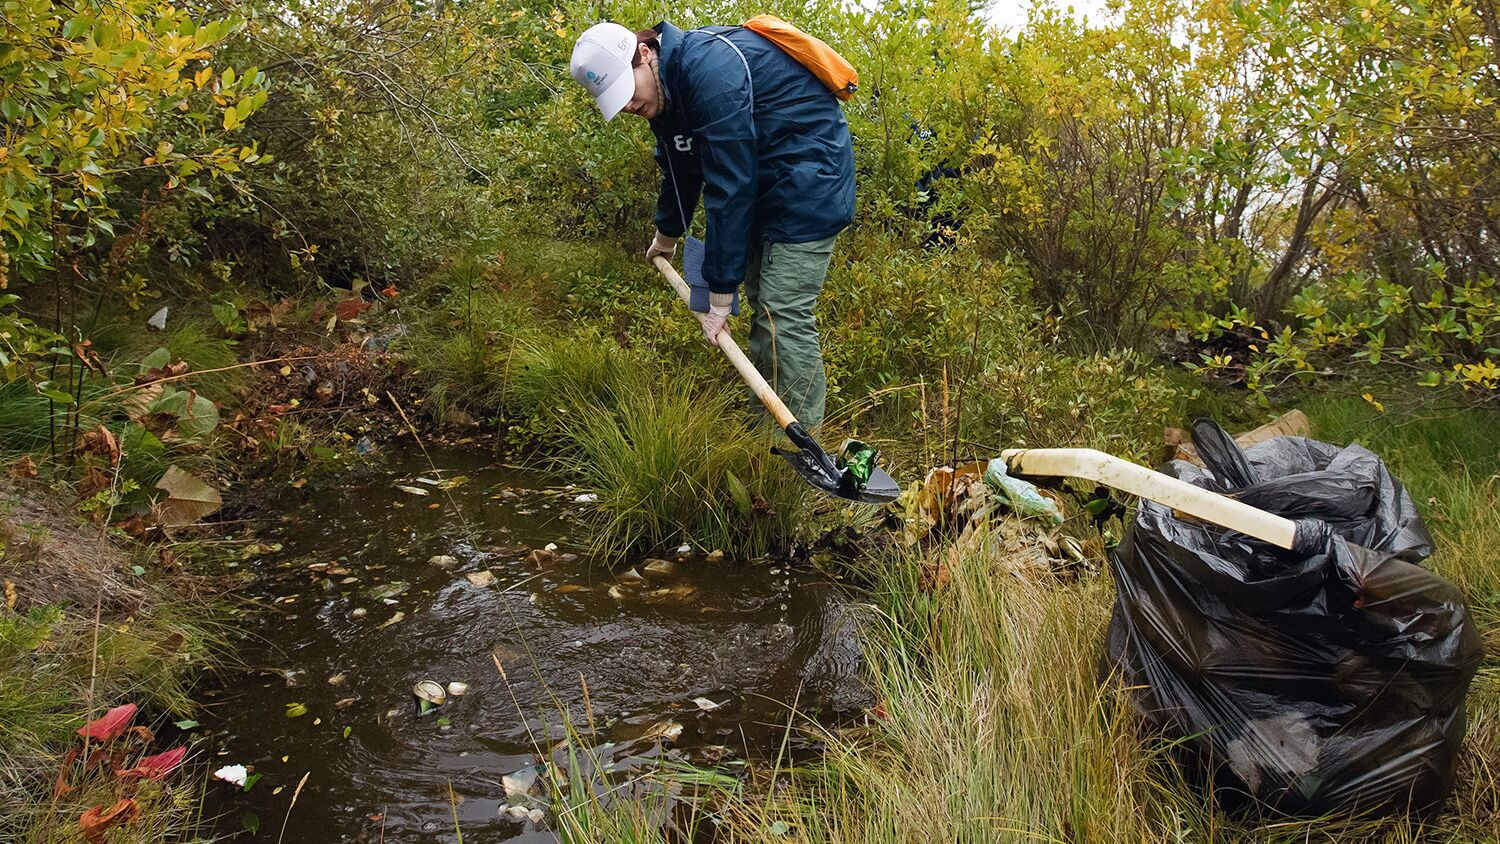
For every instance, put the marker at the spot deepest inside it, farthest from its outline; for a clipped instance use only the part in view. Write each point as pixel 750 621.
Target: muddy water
pixel 356 614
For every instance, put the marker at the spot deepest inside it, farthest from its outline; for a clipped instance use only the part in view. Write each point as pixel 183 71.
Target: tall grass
pixel 52 659
pixel 670 463
pixel 992 725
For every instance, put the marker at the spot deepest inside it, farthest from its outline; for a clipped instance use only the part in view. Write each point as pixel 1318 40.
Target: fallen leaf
pixel 348 309
pixel 158 373
pixel 705 704
pixel 296 710
pixel 388 590
pixel 155 767
pixel 102 441
pixel 109 726
pixel 666 731
pixel 395 619
pixel 98 820
pixel 412 490
pixel 188 498
pixel 10 594
pixel 481 579
pixel 25 467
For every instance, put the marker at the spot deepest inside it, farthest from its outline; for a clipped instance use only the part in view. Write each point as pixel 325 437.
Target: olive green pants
pixel 781 288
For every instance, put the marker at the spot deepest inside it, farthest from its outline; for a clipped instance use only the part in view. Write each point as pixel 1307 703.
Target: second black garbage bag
pixel 1330 678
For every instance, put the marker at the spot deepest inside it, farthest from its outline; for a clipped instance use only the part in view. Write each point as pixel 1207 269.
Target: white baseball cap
pixel 601 64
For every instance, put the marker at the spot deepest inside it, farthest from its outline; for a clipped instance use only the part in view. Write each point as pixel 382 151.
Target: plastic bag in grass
pixel 859 458
pixel 1022 497
pixel 1330 677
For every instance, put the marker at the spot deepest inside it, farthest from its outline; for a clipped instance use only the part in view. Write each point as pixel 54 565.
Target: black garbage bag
pixel 1327 678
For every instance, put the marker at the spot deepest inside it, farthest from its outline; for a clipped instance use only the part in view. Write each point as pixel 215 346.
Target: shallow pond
pixel 357 611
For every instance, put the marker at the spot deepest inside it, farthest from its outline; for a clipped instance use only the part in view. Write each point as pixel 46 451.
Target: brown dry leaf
pixel 23 468
pixel 135 527
pixel 10 594
pixel 188 499
pixel 348 309
pixel 136 402
pixel 98 820
pixel 171 370
pixel 90 358
pixel 102 441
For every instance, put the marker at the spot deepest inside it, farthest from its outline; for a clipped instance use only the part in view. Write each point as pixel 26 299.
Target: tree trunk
pixel 1272 297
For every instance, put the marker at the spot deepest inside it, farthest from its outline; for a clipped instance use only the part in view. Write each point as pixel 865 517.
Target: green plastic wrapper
pixel 1022 497
pixel 859 458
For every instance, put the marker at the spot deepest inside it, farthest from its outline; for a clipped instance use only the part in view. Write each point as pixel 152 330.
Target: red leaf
pixel 60 786
pixel 155 767
pixel 110 726
pixel 348 309
pixel 98 820
pixel 390 292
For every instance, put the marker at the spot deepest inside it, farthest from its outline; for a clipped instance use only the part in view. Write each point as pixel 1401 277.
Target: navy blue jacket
pixel 780 169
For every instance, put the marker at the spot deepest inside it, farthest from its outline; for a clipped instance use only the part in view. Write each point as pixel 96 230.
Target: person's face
pixel 646 102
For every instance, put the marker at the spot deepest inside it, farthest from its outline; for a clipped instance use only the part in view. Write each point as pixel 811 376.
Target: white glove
pixel 661 245
pixel 719 306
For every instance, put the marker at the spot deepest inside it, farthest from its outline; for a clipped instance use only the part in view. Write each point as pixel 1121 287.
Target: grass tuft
pixel 673 463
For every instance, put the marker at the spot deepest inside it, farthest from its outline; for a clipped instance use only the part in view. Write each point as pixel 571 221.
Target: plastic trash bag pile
pixel 1331 677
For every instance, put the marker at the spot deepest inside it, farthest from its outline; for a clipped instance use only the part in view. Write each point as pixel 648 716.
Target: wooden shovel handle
pixel 1121 474
pixel 731 350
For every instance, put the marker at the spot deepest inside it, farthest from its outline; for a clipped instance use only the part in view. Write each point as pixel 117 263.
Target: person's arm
pixel 724 122
pixel 678 199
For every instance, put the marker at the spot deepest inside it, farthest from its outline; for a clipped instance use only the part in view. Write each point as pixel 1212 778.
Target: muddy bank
pixel 408 569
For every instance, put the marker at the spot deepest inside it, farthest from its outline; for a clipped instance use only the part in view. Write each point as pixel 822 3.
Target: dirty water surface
pixel 436 567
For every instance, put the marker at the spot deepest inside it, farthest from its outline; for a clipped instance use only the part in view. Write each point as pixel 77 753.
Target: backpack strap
pixel 749 81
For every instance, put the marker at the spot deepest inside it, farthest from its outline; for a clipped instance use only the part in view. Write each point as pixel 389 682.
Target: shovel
pixel 814 464
pixel 1121 474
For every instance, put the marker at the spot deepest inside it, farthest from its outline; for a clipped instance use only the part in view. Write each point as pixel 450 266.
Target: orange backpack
pixel 831 68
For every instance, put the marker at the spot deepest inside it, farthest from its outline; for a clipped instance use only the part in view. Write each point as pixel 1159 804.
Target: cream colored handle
pixel 731 350
pixel 1137 480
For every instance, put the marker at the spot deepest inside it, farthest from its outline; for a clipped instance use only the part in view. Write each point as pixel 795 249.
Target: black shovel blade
pixel 818 468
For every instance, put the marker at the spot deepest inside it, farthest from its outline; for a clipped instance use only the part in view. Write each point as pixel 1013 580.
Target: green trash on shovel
pixel 860 459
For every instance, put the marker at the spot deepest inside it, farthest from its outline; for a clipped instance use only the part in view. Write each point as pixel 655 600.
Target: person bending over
pixel 742 124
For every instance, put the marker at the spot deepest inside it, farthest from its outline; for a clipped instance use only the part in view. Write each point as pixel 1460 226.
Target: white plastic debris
pixel 235 774
pixel 158 320
pixel 586 498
